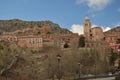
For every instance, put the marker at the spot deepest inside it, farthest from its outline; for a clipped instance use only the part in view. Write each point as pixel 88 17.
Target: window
pixel 86 24
pixel 90 35
pixel 90 30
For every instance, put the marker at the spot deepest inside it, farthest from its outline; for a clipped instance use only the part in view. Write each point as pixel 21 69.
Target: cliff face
pixel 16 24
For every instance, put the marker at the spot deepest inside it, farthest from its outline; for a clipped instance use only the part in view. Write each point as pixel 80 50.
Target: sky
pixel 68 14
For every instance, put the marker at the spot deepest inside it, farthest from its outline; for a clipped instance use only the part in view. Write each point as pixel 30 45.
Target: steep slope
pixel 16 24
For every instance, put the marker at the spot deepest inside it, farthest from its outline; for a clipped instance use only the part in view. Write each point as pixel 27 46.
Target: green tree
pixel 113 57
pixel 118 41
pixel 66 45
pixel 82 41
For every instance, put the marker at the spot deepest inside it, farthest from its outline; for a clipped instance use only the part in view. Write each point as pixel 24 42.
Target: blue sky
pixel 68 14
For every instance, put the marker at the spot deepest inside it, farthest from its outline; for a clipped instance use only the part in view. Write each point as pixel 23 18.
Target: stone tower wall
pixel 87 29
pixel 97 34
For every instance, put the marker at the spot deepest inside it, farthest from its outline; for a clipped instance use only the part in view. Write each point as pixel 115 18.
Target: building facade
pixel 42 38
pixel 112 39
pixel 92 35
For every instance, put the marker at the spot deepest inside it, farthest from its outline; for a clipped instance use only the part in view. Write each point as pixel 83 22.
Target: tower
pixel 87 28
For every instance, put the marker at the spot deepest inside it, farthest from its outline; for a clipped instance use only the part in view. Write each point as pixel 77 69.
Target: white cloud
pixel 80 1
pixel 103 28
pixel 78 28
pixel 96 5
pixel 106 29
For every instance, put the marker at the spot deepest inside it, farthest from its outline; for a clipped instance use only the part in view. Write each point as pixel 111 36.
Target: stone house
pixel 30 41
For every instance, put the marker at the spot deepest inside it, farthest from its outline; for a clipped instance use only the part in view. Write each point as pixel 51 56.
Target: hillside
pixel 116 29
pixel 16 24
pixel 42 64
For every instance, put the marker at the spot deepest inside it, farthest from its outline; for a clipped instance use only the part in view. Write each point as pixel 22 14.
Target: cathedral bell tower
pixel 87 28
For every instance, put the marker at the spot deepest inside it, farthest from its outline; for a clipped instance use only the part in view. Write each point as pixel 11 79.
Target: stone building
pixel 87 29
pixel 112 38
pixel 70 39
pixel 97 34
pixel 30 41
pixel 9 36
pixel 92 34
pixel 31 38
pixel 95 38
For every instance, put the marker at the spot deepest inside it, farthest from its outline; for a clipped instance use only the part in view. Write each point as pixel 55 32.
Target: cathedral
pixel 95 39
pixel 92 35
